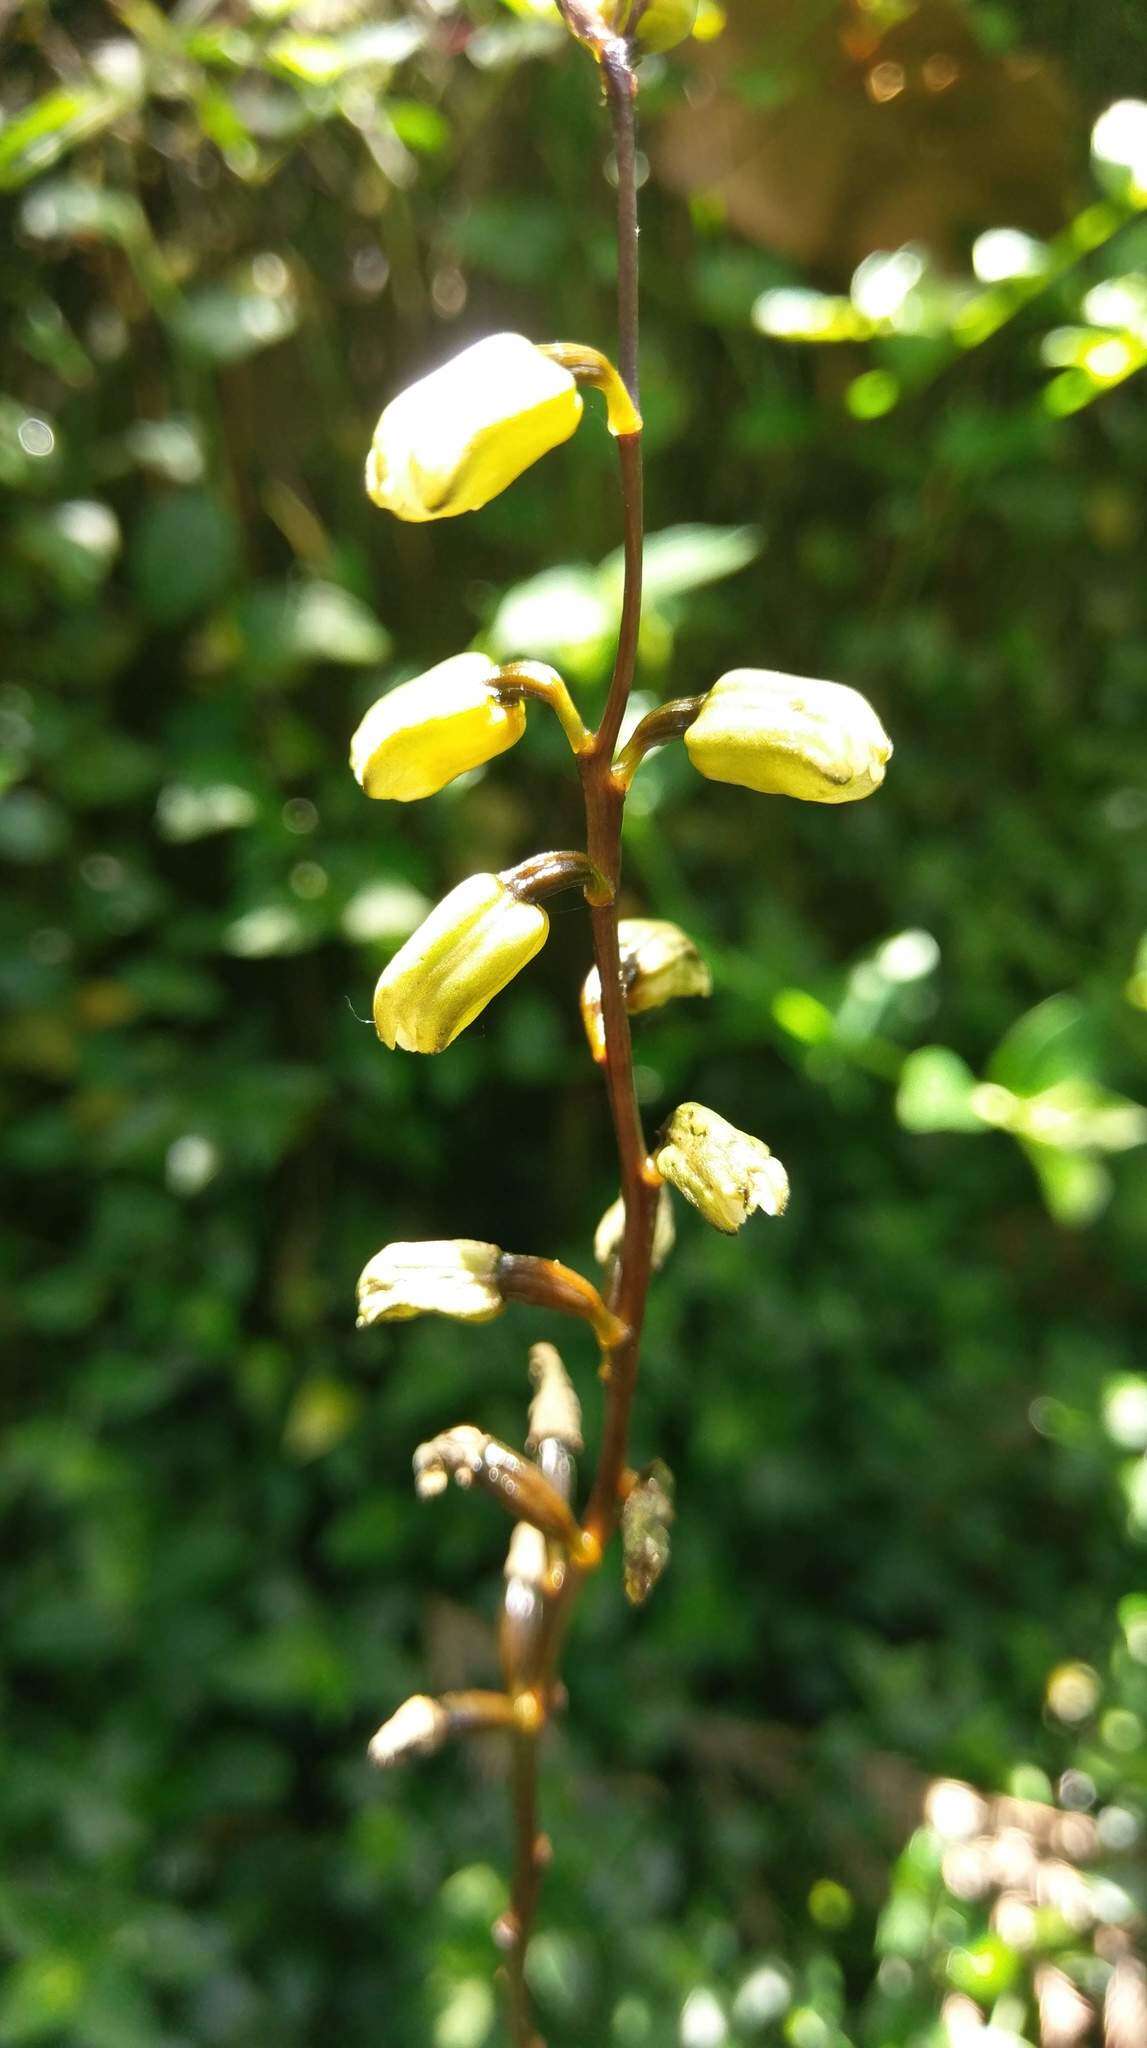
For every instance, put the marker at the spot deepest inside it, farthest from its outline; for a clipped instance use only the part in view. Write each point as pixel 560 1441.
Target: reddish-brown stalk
pixel 604 797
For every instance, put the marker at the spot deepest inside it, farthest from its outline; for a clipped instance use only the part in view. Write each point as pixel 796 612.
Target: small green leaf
pixel 1075 1186
pixel 1054 1042
pixel 936 1091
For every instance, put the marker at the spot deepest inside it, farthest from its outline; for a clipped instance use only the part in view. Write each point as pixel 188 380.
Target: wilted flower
pixel 457 961
pixel 449 1277
pixel 723 1171
pixel 789 736
pixel 417 738
pixel 658 962
pixel 420 1726
pixel 451 442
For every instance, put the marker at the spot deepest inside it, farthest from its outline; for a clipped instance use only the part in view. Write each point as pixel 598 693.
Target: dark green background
pixel 907 1489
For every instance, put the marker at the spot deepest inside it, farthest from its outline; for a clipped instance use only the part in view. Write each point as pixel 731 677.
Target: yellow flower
pixel 658 962
pixel 455 1277
pixel 658 25
pixel 417 738
pixel 789 736
pixel 457 961
pixel 451 442
pixel 724 1172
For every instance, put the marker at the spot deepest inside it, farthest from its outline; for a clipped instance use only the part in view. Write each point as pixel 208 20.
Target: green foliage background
pixel 905 1423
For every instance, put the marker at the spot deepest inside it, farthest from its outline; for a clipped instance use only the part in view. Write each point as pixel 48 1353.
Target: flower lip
pixel 789 736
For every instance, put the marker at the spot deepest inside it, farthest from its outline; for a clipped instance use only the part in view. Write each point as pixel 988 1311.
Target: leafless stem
pixel 604 797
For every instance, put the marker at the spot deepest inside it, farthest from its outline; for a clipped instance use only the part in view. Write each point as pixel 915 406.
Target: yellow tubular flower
pixel 724 1172
pixel 451 442
pixel 789 736
pixel 418 737
pixel 460 957
pixel 454 1277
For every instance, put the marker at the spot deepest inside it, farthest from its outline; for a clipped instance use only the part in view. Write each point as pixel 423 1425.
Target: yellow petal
pixel 417 738
pixel 789 736
pixel 460 957
pixel 451 442
pixel 454 1277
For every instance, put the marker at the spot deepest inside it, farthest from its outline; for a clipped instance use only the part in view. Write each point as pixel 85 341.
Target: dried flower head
pixel 417 738
pixel 457 961
pixel 453 1277
pixel 453 440
pixel 789 736
pixel 724 1172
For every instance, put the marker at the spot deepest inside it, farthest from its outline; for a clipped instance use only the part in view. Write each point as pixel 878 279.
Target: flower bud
pixel 789 736
pixel 658 962
pixel 420 1726
pixel 646 1520
pixel 455 1277
pixel 658 25
pixel 523 1613
pixel 417 738
pixel 457 961
pixel 555 1411
pixel 721 1170
pixel 453 440
pixel 607 1238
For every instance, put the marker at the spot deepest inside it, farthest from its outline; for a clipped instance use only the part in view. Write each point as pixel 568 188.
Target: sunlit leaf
pixel 1054 1042
pixel 684 558
pixel 936 1092
pixel 34 140
pixel 225 323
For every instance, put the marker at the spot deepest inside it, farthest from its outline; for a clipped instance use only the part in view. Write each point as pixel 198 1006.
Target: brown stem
pixel 513 1931
pixel 604 797
pixel 667 722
